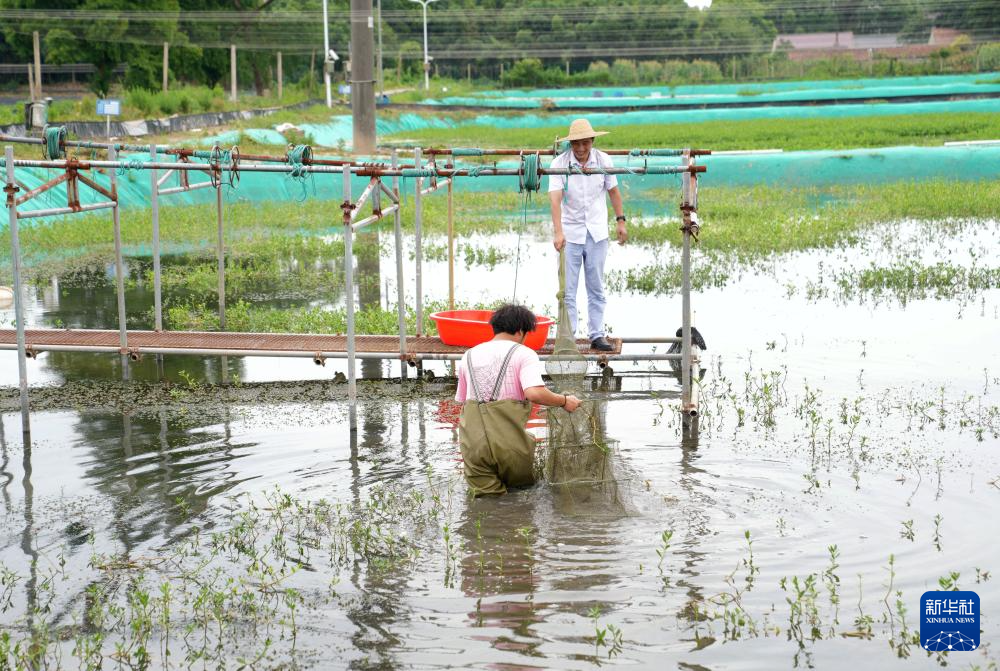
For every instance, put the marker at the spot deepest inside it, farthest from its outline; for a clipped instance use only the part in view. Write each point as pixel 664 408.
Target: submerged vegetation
pixel 284 261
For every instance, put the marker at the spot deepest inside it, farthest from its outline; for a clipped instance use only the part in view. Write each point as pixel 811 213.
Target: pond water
pixel 860 422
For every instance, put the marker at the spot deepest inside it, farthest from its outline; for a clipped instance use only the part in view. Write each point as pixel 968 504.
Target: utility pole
pixel 378 63
pixel 232 72
pixel 326 55
pixel 427 59
pixel 38 64
pixel 362 82
pixel 166 64
pixel 280 77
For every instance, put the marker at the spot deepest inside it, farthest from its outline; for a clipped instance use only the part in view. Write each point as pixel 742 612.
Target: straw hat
pixel 581 130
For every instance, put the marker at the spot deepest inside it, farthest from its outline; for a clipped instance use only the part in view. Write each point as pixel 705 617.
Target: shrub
pixel 623 72
pixel 650 72
pixel 989 56
pixel 141 100
pixel 598 74
pixel 704 71
pixel 203 97
pixel 167 102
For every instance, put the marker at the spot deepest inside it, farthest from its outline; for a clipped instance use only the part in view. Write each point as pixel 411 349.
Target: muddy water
pixel 825 422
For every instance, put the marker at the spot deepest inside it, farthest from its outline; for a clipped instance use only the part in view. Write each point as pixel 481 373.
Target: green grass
pixel 144 104
pixel 293 253
pixel 747 221
pixel 787 134
pixel 760 220
pixel 905 280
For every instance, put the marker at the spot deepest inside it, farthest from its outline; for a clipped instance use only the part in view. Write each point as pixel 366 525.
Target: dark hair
pixel 513 319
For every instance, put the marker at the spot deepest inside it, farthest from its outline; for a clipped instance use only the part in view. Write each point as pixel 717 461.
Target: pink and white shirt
pixel 585 197
pixel 524 370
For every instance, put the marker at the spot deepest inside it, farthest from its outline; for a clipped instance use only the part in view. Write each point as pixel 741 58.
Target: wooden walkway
pixel 250 344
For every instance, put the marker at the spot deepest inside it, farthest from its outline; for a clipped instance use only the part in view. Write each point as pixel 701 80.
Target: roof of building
pixel 843 40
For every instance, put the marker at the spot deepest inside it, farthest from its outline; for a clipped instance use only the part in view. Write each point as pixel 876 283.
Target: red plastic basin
pixel 468 328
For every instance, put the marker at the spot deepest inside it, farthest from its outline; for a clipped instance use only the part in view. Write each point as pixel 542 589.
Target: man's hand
pixel 622 233
pixel 572 403
pixel 559 241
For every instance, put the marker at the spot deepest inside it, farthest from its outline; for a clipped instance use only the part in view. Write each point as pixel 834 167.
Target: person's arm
pixel 555 203
pixel 462 390
pixel 542 396
pixel 616 203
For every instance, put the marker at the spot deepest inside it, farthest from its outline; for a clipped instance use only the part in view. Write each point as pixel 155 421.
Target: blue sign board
pixel 109 107
pixel 949 621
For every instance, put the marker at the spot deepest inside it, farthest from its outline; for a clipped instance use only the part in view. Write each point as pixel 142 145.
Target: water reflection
pixel 498 569
pixel 6 477
pixel 28 541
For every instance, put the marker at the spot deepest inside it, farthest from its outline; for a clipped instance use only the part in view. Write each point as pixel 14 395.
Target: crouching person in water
pixel 498 381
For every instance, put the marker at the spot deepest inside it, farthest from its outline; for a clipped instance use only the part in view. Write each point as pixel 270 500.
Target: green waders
pixel 496 449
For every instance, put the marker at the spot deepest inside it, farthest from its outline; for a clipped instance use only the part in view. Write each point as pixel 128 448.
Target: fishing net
pixel 579 459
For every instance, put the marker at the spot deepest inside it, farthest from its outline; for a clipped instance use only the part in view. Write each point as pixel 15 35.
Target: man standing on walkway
pixel 580 223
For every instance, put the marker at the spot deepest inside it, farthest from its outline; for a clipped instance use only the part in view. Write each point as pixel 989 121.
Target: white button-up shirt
pixel 585 205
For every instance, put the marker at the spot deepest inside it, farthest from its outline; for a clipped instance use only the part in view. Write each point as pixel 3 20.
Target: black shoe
pixel 601 344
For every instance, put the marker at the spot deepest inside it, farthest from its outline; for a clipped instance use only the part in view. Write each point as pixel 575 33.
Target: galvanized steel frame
pixel 350 213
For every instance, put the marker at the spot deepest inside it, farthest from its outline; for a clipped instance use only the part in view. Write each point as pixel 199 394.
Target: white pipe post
pixel 15 249
pixel 418 243
pixel 686 408
pixel 220 251
pixel 281 78
pixel 451 245
pixel 427 60
pixel 326 55
pixel 38 64
pixel 352 388
pixel 232 72
pixel 154 191
pixel 381 79
pixel 119 266
pixel 166 65
pixel 400 290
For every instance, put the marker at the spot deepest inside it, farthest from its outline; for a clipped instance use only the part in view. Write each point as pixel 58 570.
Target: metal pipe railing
pixel 303 354
pixel 418 211
pixel 440 176
pixel 400 289
pixel 426 151
pixel 15 248
pixel 119 271
pixel 359 170
pixel 352 388
pixel 155 206
pixel 476 152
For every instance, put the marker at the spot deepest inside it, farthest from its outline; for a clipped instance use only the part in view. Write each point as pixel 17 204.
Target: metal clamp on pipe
pixel 690 224
pixel 134 354
pixel 10 190
pixel 319 359
pixel 30 352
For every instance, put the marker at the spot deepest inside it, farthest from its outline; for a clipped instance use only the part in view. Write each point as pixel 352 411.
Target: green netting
pixel 338 132
pixel 709 94
pixel 801 168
